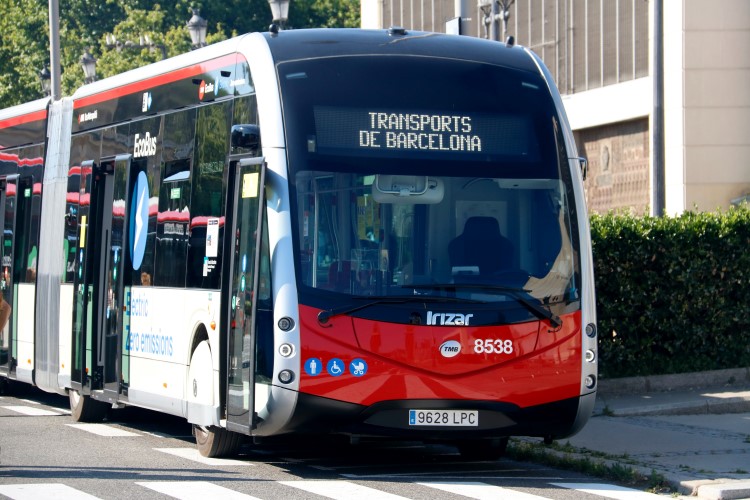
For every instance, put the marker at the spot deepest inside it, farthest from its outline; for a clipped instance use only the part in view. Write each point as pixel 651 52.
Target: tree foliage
pixel 85 24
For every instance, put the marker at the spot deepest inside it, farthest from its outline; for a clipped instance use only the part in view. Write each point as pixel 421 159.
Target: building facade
pixel 601 54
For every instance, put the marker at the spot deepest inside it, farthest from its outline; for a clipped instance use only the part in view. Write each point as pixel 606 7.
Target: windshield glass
pixel 406 180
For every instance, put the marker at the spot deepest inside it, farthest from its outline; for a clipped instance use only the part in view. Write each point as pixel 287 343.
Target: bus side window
pixel 208 195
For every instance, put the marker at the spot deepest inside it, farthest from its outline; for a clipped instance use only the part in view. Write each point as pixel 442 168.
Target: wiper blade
pixel 520 294
pixel 326 315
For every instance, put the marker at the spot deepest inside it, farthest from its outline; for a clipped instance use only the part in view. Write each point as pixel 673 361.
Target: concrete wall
pixel 707 102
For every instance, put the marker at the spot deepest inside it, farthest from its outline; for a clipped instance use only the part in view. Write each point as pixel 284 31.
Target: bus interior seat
pixel 481 245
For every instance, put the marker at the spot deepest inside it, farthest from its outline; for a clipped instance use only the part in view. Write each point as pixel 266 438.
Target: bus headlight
pixel 590 355
pixel 286 376
pixel 286 350
pixel 590 381
pixel 591 330
pixel 285 324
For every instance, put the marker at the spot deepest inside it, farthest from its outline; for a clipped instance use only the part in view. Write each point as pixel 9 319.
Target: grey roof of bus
pixel 25 108
pixel 313 43
pixel 328 42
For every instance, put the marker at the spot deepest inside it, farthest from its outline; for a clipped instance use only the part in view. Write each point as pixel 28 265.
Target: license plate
pixel 446 418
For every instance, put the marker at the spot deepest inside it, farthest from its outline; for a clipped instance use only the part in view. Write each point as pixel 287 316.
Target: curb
pixel 663 383
pixel 739 404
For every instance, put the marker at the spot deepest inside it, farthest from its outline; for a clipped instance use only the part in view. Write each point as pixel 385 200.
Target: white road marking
pixel 194 490
pixel 482 491
pixel 192 454
pixel 104 430
pixel 46 490
pixel 609 491
pixel 33 411
pixel 341 490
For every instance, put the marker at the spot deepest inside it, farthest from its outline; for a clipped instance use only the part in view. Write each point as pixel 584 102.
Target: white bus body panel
pixel 54 314
pixel 275 404
pixel 163 322
pixel 24 319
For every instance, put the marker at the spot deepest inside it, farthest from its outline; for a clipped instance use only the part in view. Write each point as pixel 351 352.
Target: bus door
pixel 240 318
pixel 97 286
pixel 8 202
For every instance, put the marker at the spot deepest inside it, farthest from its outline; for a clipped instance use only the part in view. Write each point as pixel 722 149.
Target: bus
pixel 368 233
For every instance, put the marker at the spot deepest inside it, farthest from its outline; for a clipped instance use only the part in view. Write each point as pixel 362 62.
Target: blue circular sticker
pixel 335 367
pixel 358 367
pixel 139 220
pixel 314 367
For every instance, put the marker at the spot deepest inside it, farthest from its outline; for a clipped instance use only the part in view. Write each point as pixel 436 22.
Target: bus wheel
pixel 85 408
pixel 483 449
pixel 216 441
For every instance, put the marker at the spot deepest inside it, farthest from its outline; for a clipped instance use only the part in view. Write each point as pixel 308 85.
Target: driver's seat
pixel 482 245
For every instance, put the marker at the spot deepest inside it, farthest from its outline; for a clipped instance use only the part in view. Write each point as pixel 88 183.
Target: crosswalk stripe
pixel 32 411
pixel 481 491
pixel 104 430
pixel 194 490
pixel 609 491
pixel 194 455
pixel 341 490
pixel 46 490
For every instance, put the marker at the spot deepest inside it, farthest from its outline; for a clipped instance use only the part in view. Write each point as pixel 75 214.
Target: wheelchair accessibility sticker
pixel 335 367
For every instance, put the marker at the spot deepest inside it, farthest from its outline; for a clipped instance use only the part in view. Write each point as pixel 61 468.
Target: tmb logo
pixel 450 348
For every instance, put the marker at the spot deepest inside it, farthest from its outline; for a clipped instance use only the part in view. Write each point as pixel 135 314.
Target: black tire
pixel 214 442
pixel 85 408
pixel 483 449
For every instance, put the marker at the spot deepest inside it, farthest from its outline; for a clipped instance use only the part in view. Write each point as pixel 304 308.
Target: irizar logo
pixel 448 319
pixel 450 348
pixel 144 146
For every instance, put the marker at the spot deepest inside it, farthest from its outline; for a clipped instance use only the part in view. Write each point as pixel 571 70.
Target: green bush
pixel 673 293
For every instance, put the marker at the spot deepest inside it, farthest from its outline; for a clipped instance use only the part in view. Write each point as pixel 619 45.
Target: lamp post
pixel 494 11
pixel 88 63
pixel 197 27
pixel 279 11
pixel 144 41
pixel 45 80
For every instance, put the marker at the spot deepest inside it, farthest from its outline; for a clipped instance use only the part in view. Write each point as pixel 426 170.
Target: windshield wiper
pixel 324 316
pixel 520 294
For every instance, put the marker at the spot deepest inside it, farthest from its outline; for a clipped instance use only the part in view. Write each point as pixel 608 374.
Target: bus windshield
pixel 455 184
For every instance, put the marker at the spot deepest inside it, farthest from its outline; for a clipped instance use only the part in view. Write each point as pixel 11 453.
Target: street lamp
pixel 279 10
pixel 88 63
pixel 45 80
pixel 144 41
pixel 494 11
pixel 197 27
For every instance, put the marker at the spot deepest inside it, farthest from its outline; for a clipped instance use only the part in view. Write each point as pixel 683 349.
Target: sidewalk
pixel 693 429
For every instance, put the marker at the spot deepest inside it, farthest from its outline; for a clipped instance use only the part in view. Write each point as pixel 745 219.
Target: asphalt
pixel 691 429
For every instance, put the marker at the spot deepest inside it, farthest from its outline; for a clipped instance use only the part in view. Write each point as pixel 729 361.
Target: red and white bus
pixel 369 233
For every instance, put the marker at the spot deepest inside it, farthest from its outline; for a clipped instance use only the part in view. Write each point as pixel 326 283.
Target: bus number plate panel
pixel 445 418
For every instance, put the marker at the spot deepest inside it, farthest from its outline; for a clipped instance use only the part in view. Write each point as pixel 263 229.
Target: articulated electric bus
pixel 367 233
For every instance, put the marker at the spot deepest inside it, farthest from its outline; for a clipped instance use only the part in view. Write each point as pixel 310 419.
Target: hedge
pixel 673 293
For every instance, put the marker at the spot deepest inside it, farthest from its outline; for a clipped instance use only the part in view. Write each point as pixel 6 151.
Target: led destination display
pixel 406 133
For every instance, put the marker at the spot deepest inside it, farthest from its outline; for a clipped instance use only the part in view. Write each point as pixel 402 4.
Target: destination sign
pixel 407 133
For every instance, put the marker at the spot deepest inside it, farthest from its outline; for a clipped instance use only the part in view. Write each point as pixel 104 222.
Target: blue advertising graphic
pixel 139 220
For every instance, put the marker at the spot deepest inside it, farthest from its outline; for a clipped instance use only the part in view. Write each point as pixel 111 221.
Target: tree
pixel 23 50
pixel 84 25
